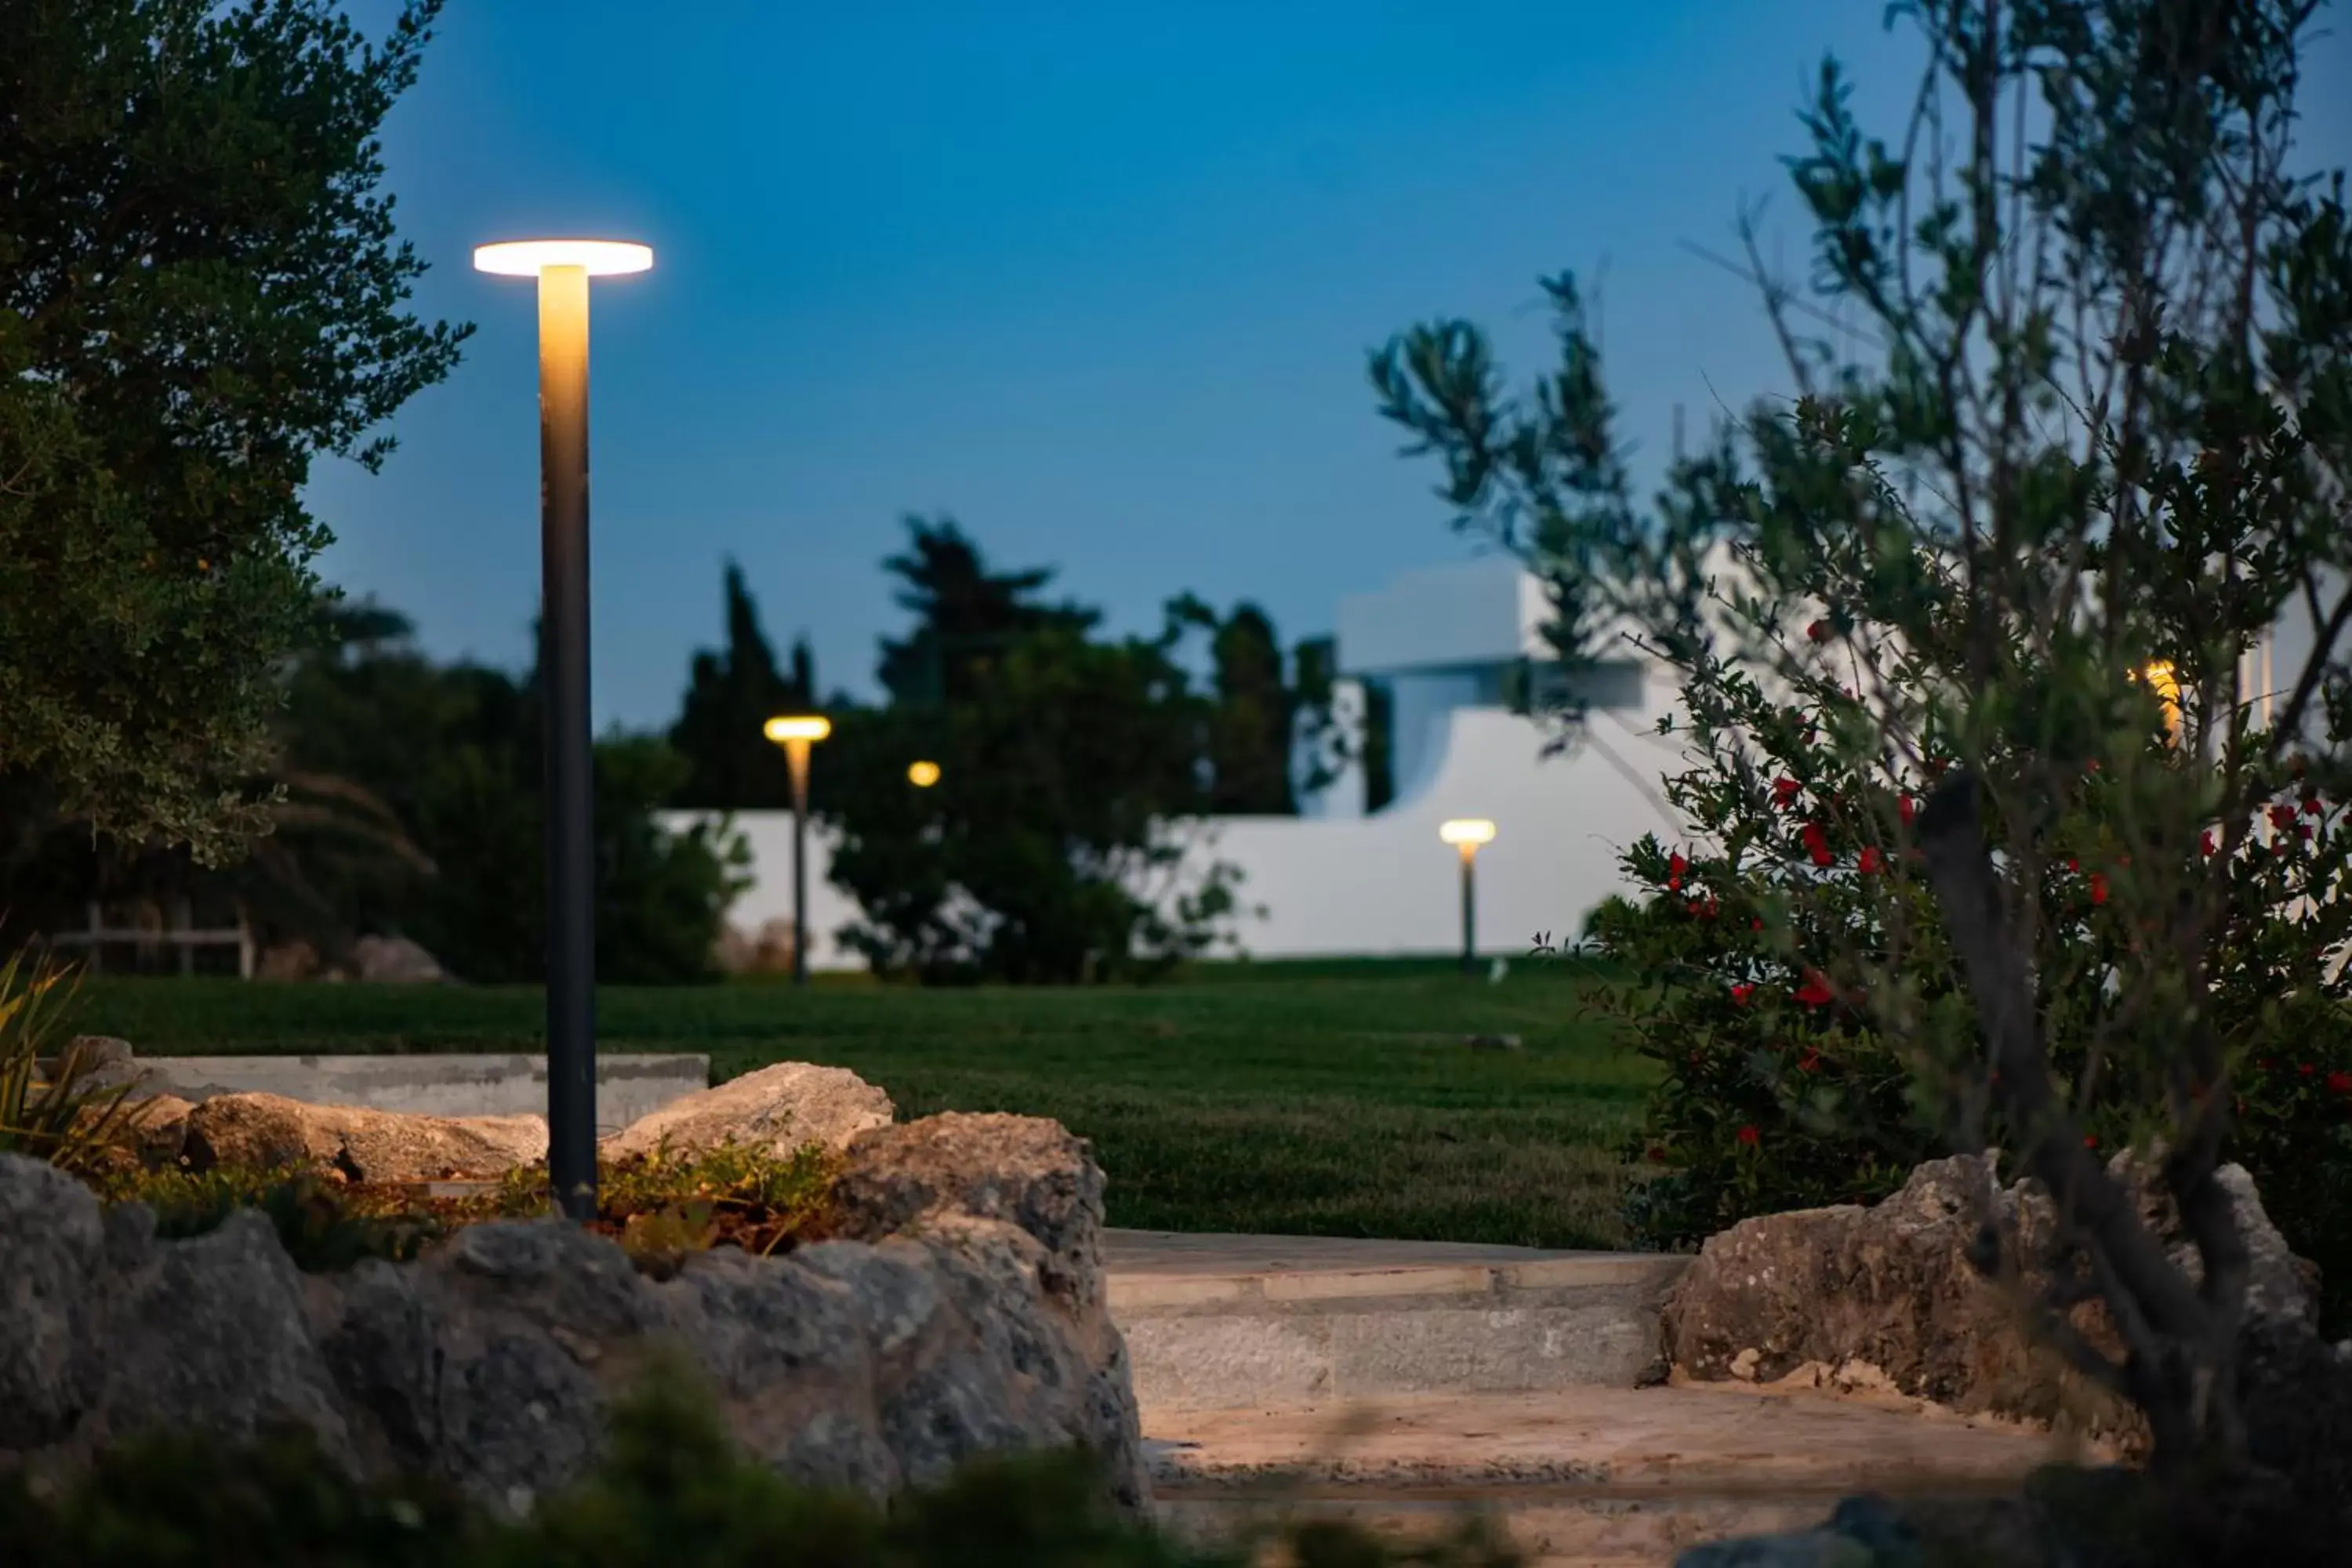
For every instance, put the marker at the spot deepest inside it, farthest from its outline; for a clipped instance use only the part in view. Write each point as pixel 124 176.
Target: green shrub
pixel 671 1491
pixel 1779 1089
pixel 50 1108
pixel 660 1206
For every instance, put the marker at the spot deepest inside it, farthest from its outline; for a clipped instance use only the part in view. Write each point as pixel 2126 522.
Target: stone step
pixel 1225 1322
pixel 1583 1476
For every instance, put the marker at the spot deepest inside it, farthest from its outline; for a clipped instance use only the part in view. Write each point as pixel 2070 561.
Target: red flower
pixel 2306 1069
pixel 2090 1140
pixel 1815 991
pixel 1810 1062
pixel 2098 888
pixel 2339 1082
pixel 2311 807
pixel 1742 993
pixel 1817 844
pixel 1755 924
pixel 1906 808
pixel 2282 818
pixel 1749 1136
pixel 2303 830
pixel 1676 867
pixel 1871 861
pixel 2073 865
pixel 2205 843
pixel 1704 909
pixel 1785 790
pixel 1818 631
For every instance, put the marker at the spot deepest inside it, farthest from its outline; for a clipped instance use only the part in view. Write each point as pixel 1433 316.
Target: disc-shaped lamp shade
pixel 922 775
pixel 1467 830
pixel 529 257
pixel 809 729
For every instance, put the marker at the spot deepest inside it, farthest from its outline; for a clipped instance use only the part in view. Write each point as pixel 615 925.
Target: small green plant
pixel 49 1109
pixel 671 1489
pixel 659 1206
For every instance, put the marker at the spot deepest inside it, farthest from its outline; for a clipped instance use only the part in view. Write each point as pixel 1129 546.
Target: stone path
pixel 1403 1383
pixel 1586 1477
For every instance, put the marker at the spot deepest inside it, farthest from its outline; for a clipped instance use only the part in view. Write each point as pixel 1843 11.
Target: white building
pixel 1454 648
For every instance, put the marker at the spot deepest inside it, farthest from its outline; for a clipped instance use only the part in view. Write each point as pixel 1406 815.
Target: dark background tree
pixel 1047 851
pixel 730 694
pixel 966 616
pixel 201 290
pixel 1251 725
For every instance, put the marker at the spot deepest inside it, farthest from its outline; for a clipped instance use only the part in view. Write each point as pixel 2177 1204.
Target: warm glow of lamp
pixel 922 775
pixel 812 726
pixel 2162 680
pixel 1466 831
pixel 529 257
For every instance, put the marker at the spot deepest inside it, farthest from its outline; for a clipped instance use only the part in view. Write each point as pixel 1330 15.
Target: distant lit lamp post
pixel 562 268
pixel 922 775
pixel 1465 834
pixel 796 735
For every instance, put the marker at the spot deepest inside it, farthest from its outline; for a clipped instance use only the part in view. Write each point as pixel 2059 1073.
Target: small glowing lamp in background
pixel 922 775
pixel 2162 680
pixel 796 732
pixel 784 731
pixel 1466 834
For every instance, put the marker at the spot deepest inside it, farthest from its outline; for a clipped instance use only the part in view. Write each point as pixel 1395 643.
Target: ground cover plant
pixel 671 1493
pixel 1332 1098
pixel 659 1206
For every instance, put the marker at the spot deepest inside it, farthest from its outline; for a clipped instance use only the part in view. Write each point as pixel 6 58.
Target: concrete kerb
pixel 628 1086
pixel 1235 1322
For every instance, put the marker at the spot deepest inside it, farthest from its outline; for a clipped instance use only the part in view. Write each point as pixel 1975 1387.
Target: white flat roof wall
pixel 1482 612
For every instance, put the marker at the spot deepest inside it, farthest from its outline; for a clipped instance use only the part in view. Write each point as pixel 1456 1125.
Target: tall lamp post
pixel 796 735
pixel 1465 834
pixel 562 268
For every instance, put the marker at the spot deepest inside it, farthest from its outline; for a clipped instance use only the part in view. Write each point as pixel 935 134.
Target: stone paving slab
pixel 1584 1475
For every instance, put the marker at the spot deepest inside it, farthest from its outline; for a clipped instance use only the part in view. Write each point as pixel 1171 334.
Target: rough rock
pixel 160 1127
pixel 105 1061
pixel 1023 1170
pixel 490 1362
pixel 269 1130
pixel 1892 1294
pixel 767 951
pixel 783 1107
pixel 296 959
pixel 394 961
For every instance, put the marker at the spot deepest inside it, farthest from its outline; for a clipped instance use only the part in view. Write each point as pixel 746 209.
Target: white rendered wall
pixel 1381 884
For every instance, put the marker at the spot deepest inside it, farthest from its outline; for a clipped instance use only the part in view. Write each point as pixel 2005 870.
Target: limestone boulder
pixel 492 1361
pixel 394 961
pixel 1025 1170
pixel 783 1107
pixel 269 1130
pixel 1893 1296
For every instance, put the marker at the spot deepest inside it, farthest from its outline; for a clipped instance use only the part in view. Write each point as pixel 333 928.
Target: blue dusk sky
pixel 1098 280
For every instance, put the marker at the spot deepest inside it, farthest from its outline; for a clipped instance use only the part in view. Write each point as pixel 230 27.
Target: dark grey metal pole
pixel 563 679
pixel 1469 910
pixel 797 752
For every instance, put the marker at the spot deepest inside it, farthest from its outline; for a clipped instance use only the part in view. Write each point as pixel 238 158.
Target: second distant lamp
pixel 796 734
pixel 1466 834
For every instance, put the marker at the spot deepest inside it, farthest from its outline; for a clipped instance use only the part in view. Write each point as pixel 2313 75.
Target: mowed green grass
pixel 1306 1099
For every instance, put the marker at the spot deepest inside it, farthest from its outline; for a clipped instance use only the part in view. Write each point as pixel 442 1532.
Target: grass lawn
pixel 1289 1099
